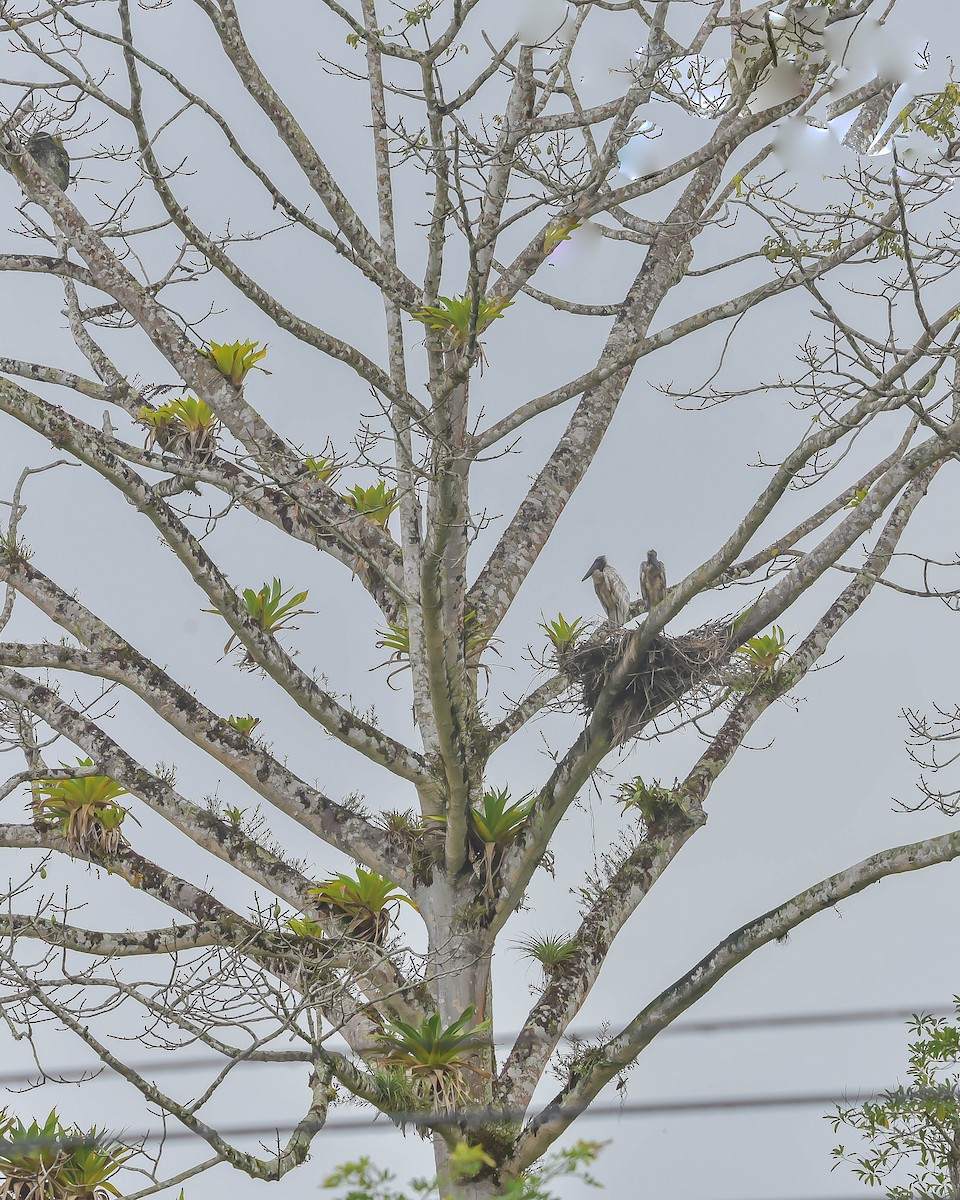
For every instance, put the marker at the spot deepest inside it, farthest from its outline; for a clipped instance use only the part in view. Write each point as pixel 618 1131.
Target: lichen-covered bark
pixel 113 658
pixel 560 1001
pixel 515 163
pixel 548 1125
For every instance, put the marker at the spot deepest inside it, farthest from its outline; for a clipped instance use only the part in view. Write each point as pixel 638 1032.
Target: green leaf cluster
pixel 434 1056
pixel 563 633
pixel 554 952
pixel 377 503
pixel 763 651
pixel 367 901
pixel 476 640
pixel 271 609
pixel 497 822
pixel 365 1181
pixel 57 1162
pixel 396 639
pixel 778 249
pixel 325 467
pixel 420 14
pixel 235 360
pixel 492 825
pixel 244 725
pixel 654 802
pixel 889 242
pixel 305 927
pixel 559 231
pixel 936 116
pixel 85 808
pixel 453 317
pixel 405 822
pixel 15 548
pixel 183 425
pixel 910 1136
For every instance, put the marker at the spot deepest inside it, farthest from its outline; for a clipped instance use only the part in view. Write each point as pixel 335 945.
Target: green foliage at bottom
pixel 363 1180
pixel 909 1138
pixel 53 1161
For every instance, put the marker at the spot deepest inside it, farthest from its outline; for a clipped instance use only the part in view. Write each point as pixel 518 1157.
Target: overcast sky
pixel 814 792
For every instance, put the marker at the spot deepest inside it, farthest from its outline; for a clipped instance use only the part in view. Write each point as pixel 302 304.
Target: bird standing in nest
pixel 653 580
pixel 611 591
pixel 49 153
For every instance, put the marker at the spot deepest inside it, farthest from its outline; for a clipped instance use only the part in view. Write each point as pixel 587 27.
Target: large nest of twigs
pixel 672 672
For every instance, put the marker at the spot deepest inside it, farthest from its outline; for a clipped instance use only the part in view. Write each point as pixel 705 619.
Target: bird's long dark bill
pixel 593 567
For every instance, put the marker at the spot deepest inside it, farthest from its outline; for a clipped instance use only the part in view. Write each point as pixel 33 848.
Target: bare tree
pixel 129 166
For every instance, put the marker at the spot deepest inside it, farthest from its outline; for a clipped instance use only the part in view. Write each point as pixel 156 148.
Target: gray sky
pixel 812 796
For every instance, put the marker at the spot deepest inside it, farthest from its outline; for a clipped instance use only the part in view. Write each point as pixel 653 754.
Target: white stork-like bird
pixel 653 580
pixel 611 591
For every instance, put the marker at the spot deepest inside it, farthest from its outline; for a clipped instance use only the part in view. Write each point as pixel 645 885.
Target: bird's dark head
pixel 651 556
pixel 598 565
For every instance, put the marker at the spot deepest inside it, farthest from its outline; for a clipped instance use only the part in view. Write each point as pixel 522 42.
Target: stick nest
pixel 682 671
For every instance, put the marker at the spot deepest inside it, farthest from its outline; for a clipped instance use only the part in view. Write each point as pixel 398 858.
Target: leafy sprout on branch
pixel 305 927
pixel 325 467
pixel 554 952
pixel 763 652
pixel 183 426
pixel 235 360
pixel 270 609
pixel 560 231
pixel 367 902
pixel 563 633
pixel 53 1161
pixel 436 1058
pixel 244 725
pixel 494 824
pixel 456 317
pixel 655 803
pixel 84 808
pixel 396 639
pixel 377 503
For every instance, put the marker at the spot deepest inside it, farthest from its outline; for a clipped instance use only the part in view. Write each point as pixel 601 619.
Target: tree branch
pixel 619 1052
pixel 219 837
pixel 562 999
pixel 115 659
pixel 264 649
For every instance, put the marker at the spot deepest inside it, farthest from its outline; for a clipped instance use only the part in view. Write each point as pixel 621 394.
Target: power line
pixel 658 1108
pixel 467 1118
pixel 785 1020
pixel 715 1025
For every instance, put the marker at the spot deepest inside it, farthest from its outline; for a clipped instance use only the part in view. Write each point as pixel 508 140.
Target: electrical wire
pixel 714 1025
pixel 467 1118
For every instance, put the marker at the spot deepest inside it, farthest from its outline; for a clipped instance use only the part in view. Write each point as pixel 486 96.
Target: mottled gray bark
pixel 512 157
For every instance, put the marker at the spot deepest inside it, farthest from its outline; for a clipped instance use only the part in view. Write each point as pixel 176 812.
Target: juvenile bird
pixel 653 580
pixel 611 591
